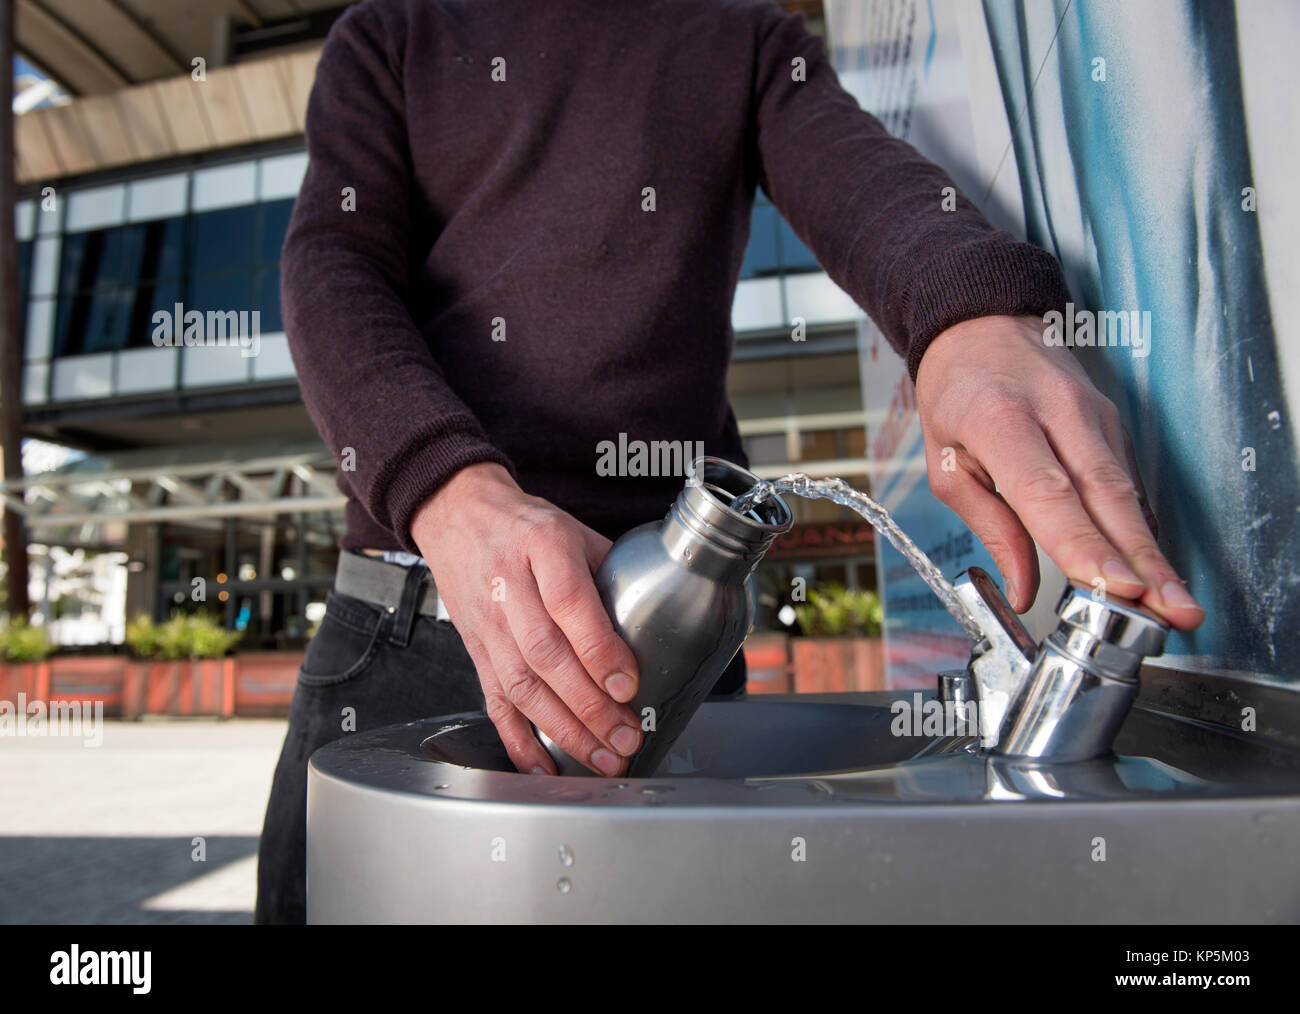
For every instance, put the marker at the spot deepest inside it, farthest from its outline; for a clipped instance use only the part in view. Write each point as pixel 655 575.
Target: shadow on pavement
pixel 113 880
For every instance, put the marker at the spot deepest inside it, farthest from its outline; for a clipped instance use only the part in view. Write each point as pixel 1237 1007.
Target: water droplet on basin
pixel 566 855
pixel 571 795
pixel 442 786
pixel 656 795
pixel 564 885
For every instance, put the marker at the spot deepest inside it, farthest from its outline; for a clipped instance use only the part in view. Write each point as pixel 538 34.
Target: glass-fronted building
pixel 200 464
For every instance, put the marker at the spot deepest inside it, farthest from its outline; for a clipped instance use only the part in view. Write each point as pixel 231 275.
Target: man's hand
pixel 515 574
pixel 1034 449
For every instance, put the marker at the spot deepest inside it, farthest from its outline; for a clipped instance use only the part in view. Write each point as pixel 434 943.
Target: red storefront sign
pixel 847 538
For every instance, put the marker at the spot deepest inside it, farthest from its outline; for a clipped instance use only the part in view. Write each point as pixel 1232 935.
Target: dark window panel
pixel 119 253
pixel 70 324
pixel 163 249
pixel 831 573
pixel 222 240
pixel 24 283
pixel 275 223
pixel 268 300
pixel 72 257
pixel 108 319
pixel 122 259
pixel 221 292
pixel 24 268
pixel 761 257
pixel 104 258
pixel 161 295
pixel 794 255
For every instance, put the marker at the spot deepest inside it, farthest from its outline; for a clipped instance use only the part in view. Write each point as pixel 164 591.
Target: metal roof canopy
pixel 97 46
pixel 128 63
pixel 92 47
pixel 179 484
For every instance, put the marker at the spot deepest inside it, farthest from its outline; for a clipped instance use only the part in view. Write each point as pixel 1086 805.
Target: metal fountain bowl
pixel 783 809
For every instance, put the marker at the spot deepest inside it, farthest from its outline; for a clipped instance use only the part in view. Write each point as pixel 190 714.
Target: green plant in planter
pixel 836 611
pixel 142 636
pixel 866 612
pixel 181 637
pixel 807 617
pixel 209 639
pixel 23 643
pixel 173 638
pixel 825 614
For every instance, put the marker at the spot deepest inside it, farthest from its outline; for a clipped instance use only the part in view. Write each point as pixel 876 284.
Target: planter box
pixel 161 680
pixel 825 665
pixel 869 658
pixel 135 683
pixel 201 686
pixel 183 687
pixel 257 684
pixel 89 678
pixel 32 679
pixel 767 662
pixel 264 683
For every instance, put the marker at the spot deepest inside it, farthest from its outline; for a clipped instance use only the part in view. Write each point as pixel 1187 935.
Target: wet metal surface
pixel 800 752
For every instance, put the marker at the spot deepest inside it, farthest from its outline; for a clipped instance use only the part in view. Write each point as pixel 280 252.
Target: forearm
pixel 368 376
pixel 881 219
pixel 371 385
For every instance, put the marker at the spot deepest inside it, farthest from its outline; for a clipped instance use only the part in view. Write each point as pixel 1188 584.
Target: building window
pixel 274 224
pixel 773 248
pixel 766 449
pixel 113 281
pixel 222 240
pixel 271 229
pixel 268 299
pixel 24 282
pixel 819 445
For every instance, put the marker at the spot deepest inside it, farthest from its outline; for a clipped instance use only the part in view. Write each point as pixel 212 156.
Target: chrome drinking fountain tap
pixel 1063 700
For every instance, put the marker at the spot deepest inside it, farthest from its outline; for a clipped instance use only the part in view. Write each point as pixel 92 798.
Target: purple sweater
pixel 478 172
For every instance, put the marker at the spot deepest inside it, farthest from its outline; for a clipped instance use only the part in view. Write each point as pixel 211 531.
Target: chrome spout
pixel 1066 699
pixel 1000 663
pixel 1083 680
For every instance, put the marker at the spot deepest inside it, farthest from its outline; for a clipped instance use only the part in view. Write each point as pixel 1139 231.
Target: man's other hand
pixel 1020 443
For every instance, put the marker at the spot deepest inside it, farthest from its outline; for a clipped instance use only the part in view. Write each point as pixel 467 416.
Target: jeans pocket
pixel 346 643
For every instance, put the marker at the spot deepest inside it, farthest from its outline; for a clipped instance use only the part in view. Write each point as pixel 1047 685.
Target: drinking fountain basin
pixel 782 809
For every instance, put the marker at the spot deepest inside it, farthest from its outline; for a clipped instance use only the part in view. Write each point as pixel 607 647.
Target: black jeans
pixel 365 668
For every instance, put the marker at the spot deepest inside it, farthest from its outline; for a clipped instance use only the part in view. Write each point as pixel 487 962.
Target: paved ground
pixel 106 834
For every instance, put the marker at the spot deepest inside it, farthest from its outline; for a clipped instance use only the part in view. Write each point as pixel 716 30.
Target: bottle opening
pixel 721 483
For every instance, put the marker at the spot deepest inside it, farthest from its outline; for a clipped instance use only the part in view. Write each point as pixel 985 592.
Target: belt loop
pixel 408 609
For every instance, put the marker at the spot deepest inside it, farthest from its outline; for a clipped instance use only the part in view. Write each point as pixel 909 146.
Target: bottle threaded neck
pixel 703 511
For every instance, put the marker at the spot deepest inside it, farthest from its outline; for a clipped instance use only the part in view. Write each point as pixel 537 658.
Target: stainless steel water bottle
pixel 678 593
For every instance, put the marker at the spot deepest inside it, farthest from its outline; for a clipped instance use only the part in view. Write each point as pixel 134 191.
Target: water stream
pixel 840 492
